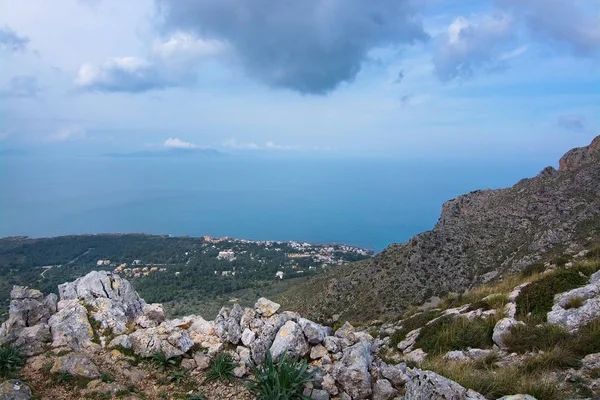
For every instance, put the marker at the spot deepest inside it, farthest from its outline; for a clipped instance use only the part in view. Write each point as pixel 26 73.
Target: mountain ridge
pixel 478 237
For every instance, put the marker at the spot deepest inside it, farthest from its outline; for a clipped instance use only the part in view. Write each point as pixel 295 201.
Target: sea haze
pixel 363 202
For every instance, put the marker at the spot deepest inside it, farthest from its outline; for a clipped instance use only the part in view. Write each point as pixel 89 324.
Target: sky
pixel 399 78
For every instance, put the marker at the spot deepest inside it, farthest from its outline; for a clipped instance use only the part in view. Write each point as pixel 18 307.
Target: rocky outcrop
pixel 427 385
pixel 502 329
pixel 70 326
pixel 76 365
pixel 482 232
pixel 572 318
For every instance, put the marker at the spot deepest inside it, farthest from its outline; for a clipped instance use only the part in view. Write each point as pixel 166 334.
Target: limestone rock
pixel 352 372
pixel 332 344
pixel 314 332
pixel 76 364
pixel 396 374
pixel 329 384
pixel 518 397
pixel 14 389
pixel 146 342
pixel 416 356
pixel 427 385
pixel 70 326
pixel 152 316
pixel 32 340
pixel 28 307
pixel 502 328
pixel 591 361
pixel 290 339
pixel 318 351
pixel 123 341
pixel 248 337
pixel 188 364
pixel 573 318
pixel 105 284
pixel 383 390
pixel 266 307
pixel 202 360
pixel 410 340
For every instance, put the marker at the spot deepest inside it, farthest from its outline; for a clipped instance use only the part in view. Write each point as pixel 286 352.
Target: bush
pixel 456 333
pixel 412 323
pixel 281 381
pixel 537 298
pixel 531 269
pixel 561 260
pixel 524 338
pixel 221 368
pixel 556 358
pixel 11 360
pixel 586 340
pixel 574 302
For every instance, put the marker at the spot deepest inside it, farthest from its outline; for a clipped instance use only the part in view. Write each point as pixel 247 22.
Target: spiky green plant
pixel 162 362
pixel 221 367
pixel 283 380
pixel 11 360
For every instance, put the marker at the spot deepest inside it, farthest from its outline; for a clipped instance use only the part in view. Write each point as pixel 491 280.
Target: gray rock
pixel 318 394
pixel 416 356
pixel 248 337
pixel 427 385
pixel 314 332
pixel 383 390
pixel 396 374
pixel 409 341
pixel 290 339
pixel 202 360
pixel 266 307
pixel 518 397
pixel 152 316
pixel 146 342
pixel 33 340
pixel 573 318
pixel 332 344
pixel 188 364
pixel 121 341
pixel 76 364
pixel 318 352
pixel 502 328
pixel 347 333
pixel 245 355
pixel 28 307
pixel 14 389
pixel 247 318
pixel 329 385
pixel 352 372
pixel 591 361
pixel 70 326
pixel 239 371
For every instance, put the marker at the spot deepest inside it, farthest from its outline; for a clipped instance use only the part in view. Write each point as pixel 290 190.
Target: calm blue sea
pixel 363 202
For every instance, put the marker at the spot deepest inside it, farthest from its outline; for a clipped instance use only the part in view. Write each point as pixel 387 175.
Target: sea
pixel 369 202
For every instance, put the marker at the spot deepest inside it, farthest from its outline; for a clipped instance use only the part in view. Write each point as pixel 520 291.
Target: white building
pixel 279 274
pixel 228 255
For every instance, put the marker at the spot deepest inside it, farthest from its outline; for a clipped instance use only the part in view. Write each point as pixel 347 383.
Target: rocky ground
pixel 100 340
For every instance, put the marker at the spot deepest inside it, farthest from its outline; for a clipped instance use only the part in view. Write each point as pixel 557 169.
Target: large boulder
pixel 104 284
pixel 171 342
pixel 290 339
pixel 352 372
pixel 427 385
pixel 28 307
pixel 266 307
pixel 314 332
pixel 14 390
pixel 70 326
pixel 76 364
pixel 33 340
pixel 572 318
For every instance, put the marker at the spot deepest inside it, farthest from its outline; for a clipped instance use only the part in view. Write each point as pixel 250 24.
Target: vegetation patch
pixel 574 302
pixel 11 361
pixel 586 340
pixel 221 368
pixel 282 380
pixel 556 358
pixel 525 338
pixel 456 333
pixel 536 299
pixel 162 362
pixel 531 269
pixel 412 323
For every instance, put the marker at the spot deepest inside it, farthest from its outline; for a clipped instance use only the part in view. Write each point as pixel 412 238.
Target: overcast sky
pixel 389 77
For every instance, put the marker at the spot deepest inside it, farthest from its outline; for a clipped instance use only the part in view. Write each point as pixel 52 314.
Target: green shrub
pixel 106 378
pixel 574 302
pixel 561 260
pixel 456 333
pixel 593 254
pixel 412 323
pixel 531 269
pixel 586 340
pixel 497 301
pixel 556 358
pixel 524 338
pixel 537 298
pixel 178 376
pixel 162 362
pixel 196 396
pixel 280 381
pixel 221 367
pixel 11 360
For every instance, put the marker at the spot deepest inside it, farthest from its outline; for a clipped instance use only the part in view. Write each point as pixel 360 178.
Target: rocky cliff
pixel 479 237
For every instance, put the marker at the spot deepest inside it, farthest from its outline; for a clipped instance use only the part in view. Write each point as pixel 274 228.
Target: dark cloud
pixel 575 123
pixel 575 24
pixel 22 86
pixel 399 77
pixel 10 41
pixel 310 46
pixel 473 44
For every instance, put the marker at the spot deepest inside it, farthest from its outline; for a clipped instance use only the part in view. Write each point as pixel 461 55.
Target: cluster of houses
pixel 137 272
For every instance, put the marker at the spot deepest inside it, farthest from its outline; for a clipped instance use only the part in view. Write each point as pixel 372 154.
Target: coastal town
pixel 234 256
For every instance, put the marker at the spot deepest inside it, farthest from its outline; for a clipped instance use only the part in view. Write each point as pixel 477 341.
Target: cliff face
pixel 479 236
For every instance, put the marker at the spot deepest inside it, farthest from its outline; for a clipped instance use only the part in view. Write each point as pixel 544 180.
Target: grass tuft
pixel 162 362
pixel 526 338
pixel 221 368
pixel 574 302
pixel 280 381
pixel 11 360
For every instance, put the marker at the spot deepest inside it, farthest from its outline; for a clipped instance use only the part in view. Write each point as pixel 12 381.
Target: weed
pixel 11 360
pixel 283 380
pixel 574 302
pixel 221 367
pixel 162 362
pixel 106 378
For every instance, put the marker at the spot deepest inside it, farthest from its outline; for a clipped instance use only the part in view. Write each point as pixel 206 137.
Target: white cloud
pixel 185 46
pixel 176 143
pixel 234 144
pixel 67 134
pixel 268 145
pixel 473 43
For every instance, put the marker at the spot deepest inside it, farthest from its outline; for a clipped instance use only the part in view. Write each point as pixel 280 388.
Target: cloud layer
pixel 176 143
pixel 10 41
pixel 309 46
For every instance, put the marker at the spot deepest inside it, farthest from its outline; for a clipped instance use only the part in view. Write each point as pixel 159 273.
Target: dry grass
pixel 574 302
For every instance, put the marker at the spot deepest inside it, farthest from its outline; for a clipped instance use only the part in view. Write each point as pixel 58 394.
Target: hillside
pixel 479 237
